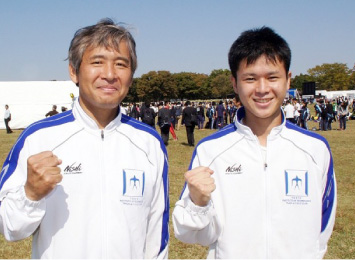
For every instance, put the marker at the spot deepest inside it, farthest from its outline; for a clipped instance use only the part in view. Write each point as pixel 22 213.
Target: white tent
pixel 29 101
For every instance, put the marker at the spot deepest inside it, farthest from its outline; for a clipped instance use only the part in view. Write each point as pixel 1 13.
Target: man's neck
pixel 261 127
pixel 102 116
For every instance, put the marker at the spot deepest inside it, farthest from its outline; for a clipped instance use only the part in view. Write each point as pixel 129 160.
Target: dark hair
pixel 254 43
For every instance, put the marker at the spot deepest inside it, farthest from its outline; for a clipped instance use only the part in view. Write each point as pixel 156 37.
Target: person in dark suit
pixel 189 118
pixel 164 122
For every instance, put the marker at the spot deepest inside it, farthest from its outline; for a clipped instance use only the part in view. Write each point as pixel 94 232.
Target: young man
pixel 90 182
pixel 262 187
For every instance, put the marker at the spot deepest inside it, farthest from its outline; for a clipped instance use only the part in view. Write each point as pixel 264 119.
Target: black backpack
pixel 148 117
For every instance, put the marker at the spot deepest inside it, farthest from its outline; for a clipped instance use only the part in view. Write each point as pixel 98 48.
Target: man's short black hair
pixel 254 43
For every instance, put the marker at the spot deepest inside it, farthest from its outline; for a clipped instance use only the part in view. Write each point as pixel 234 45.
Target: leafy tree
pixel 132 95
pixel 334 76
pixel 352 80
pixel 185 85
pixel 156 85
pixel 220 83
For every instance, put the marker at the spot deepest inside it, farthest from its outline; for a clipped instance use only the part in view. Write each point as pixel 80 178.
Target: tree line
pixel 163 85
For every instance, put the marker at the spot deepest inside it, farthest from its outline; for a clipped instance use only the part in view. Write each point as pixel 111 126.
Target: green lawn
pixel 341 245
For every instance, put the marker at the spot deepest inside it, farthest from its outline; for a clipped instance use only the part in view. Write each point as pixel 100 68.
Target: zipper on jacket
pixel 263 151
pixel 103 195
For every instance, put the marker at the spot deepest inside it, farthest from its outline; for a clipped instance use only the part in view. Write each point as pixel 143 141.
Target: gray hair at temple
pixel 103 34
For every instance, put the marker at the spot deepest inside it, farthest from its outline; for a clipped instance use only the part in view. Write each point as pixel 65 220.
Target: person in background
pixel 297 107
pixel 52 112
pixel 330 113
pixel 232 110
pixel 134 111
pixel 164 122
pixel 189 118
pixel 147 114
pixel 178 113
pixel 343 112
pixel 200 116
pixel 7 119
pixel 213 115
pixel 304 115
pixel 290 112
pixel 90 182
pixel 173 114
pixel 220 111
pixel 261 187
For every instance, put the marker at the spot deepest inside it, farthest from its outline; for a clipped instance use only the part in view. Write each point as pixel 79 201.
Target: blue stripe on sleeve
pixel 328 196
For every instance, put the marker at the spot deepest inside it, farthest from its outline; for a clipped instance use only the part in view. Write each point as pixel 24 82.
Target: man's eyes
pixel 122 64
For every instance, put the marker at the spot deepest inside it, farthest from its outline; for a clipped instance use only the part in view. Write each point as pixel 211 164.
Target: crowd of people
pixel 171 115
pixel 327 111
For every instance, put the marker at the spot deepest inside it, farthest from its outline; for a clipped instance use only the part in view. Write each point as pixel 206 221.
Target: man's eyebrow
pixel 255 74
pixel 99 56
pixel 248 74
pixel 123 59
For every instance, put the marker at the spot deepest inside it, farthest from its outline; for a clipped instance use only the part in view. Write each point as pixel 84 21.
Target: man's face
pixel 104 78
pixel 262 87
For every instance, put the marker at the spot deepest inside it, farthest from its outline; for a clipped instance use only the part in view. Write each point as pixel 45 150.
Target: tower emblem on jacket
pixel 133 186
pixel 296 187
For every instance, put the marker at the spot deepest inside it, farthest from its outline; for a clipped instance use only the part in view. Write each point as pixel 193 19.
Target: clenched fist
pixel 43 174
pixel 200 184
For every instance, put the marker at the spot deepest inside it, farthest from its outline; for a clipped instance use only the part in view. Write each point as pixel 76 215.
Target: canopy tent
pixel 29 101
pixel 292 93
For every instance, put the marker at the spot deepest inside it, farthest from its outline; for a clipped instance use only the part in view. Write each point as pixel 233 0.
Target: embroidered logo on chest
pixel 74 168
pixel 234 169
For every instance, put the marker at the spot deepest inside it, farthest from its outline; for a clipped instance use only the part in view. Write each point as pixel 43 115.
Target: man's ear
pixel 289 75
pixel 234 83
pixel 73 76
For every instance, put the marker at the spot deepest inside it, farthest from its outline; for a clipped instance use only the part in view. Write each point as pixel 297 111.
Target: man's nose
pixel 109 72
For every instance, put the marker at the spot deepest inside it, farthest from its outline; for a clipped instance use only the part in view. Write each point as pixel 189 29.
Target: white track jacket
pixel 277 203
pixel 113 199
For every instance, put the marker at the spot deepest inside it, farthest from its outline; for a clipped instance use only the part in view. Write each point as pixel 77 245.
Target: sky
pixel 177 36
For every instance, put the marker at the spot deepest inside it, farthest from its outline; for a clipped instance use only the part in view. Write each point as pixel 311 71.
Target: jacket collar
pixel 245 130
pixel 90 123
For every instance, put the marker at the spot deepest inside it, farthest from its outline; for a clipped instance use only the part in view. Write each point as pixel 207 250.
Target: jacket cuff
pixel 195 209
pixel 30 206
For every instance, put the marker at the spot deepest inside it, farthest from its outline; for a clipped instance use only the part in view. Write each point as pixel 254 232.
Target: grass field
pixel 342 242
